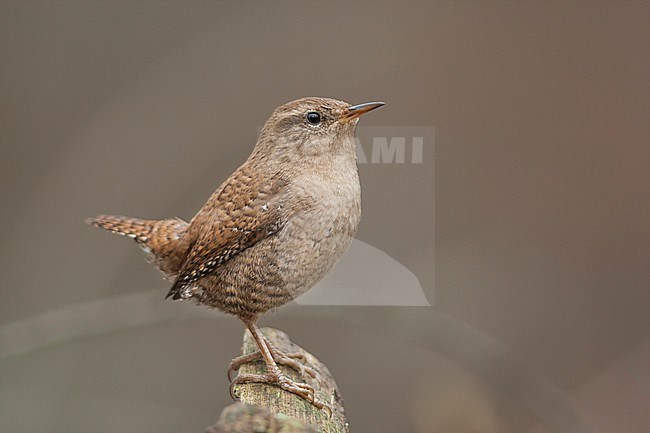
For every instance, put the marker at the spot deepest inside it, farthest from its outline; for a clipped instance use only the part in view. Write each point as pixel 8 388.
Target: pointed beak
pixel 355 111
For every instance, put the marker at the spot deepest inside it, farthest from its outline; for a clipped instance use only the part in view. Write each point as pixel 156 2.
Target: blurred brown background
pixel 540 190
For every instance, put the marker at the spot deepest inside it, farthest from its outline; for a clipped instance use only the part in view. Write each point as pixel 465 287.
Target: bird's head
pixel 312 128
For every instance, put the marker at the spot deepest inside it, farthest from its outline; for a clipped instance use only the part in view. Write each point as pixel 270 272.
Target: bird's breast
pixel 322 219
pixel 328 203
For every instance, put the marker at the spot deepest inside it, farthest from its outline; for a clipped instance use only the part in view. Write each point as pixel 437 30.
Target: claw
pixel 231 390
pixel 295 360
pixel 287 359
pixel 296 355
pixel 248 378
pixel 304 388
pixel 328 408
pixel 300 389
pixel 236 363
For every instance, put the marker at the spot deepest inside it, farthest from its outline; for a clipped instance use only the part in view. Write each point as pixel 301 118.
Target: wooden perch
pixel 269 409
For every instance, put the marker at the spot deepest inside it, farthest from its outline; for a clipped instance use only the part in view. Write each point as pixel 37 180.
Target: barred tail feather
pixel 135 228
pixel 162 240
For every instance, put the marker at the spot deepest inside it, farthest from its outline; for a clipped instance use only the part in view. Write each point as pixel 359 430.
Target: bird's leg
pixel 273 373
pixel 293 360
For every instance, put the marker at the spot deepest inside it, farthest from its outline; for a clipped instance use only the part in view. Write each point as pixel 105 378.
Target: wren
pixel 271 231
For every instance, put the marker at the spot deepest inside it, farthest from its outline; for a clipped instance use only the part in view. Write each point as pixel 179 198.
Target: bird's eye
pixel 313 118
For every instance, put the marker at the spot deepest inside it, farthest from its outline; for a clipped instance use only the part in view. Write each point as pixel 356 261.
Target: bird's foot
pixel 293 360
pixel 300 389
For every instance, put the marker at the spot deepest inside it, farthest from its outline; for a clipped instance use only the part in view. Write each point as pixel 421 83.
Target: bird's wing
pixel 242 213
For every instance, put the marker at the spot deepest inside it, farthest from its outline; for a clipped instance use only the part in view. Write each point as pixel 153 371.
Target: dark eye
pixel 313 118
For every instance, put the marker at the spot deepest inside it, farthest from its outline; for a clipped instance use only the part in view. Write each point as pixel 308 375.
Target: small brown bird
pixel 271 231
